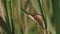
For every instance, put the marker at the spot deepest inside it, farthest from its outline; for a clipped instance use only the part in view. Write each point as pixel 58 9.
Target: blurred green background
pixel 16 16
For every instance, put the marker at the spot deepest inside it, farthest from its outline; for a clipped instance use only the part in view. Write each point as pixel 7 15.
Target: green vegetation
pixel 19 17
